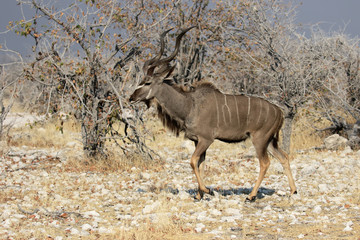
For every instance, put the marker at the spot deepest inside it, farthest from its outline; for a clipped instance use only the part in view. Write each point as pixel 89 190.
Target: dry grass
pixel 304 134
pixel 56 134
pixel 112 163
pixel 45 134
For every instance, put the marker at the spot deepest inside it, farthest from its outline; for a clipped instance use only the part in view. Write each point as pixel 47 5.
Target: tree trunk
pixel 93 130
pixel 289 114
pixel 286 134
pixel 354 136
pixel 92 136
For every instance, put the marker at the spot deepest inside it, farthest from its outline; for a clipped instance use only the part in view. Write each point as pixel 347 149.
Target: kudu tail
pixel 274 145
pixel 275 141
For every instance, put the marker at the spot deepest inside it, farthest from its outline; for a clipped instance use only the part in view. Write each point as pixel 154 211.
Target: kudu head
pixel 156 70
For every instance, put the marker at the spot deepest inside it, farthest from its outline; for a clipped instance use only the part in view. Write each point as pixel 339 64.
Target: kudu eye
pixel 147 83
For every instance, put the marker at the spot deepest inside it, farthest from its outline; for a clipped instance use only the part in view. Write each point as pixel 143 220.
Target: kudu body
pixel 206 114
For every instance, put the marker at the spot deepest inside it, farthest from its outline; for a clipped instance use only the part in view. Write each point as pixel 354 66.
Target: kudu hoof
pixel 250 200
pixel 211 192
pixel 295 192
pixel 199 196
pixel 197 200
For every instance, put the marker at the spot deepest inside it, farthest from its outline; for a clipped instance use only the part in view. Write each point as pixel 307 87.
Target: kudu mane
pixel 168 121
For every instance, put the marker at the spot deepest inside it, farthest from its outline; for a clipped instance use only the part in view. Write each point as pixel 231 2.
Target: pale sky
pixel 330 14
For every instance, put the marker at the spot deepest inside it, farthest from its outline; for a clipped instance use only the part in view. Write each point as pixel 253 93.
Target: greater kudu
pixel 206 114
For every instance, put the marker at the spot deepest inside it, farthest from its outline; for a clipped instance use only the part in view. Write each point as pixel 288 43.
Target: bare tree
pixel 337 88
pixel 78 67
pixel 10 75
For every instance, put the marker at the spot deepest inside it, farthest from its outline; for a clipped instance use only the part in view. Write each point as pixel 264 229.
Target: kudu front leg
pixel 197 165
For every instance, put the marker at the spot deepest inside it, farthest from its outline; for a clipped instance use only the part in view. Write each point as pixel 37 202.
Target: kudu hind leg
pixel 197 165
pixel 264 165
pixel 284 160
pixel 201 165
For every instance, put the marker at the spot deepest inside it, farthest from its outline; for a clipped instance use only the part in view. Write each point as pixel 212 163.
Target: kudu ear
pixel 170 82
pixel 150 71
pixel 170 71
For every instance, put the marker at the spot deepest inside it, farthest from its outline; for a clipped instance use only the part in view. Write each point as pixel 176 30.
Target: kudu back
pixel 204 114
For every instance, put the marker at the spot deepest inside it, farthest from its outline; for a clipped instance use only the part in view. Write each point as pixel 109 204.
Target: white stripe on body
pixel 237 110
pixel 217 110
pixel 259 112
pixel 228 109
pixel 248 112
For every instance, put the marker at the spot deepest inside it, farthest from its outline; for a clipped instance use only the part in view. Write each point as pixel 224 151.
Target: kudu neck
pixel 176 103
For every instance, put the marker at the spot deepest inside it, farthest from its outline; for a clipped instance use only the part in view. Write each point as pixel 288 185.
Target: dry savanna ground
pixel 50 191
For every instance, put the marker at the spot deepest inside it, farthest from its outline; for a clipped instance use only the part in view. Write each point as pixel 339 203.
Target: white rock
pixel 337 200
pixel 134 223
pixel 90 214
pixel 281 193
pixel 19 216
pixel 334 142
pixel 183 195
pixel 146 175
pixel 7 223
pixel 233 211
pixel 317 209
pixel 231 219
pixel 347 150
pixel 199 227
pixel 44 174
pixel 323 188
pixel 74 231
pixel 54 224
pixel 151 208
pixel 105 191
pixel 86 227
pixel 215 212
pixel 7 212
pixel 267 208
pixel 349 223
pixel 202 216
pixel 278 168
pixel 217 233
pixel 104 230
pixel 188 145
pixel 308 169
pixel 348 229
pixel 84 233
pixel 250 153
pixel 71 144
